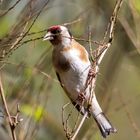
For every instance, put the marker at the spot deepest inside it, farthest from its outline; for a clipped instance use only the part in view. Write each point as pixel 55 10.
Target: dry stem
pixel 80 125
pixel 12 7
pixel 12 127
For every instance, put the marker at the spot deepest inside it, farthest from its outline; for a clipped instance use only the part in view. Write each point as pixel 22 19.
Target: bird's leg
pixel 81 104
pixel 91 74
pixel 81 98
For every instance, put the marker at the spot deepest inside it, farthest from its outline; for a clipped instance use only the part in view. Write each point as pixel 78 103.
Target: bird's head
pixel 58 35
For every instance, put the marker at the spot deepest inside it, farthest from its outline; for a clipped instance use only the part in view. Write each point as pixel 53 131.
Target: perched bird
pixel 72 65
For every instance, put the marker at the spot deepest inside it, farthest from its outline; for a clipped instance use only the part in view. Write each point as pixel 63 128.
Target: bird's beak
pixel 48 36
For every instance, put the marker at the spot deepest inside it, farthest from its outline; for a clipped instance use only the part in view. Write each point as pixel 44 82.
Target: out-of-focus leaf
pixel 36 113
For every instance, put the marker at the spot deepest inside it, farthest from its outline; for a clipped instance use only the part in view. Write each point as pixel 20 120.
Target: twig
pixel 111 26
pixel 90 46
pixel 23 34
pixel 12 7
pixel 31 40
pixel 19 38
pixel 72 22
pixel 41 37
pixel 78 18
pixel 65 24
pixel 12 127
pixel 76 122
pixel 80 125
pixel 63 122
pixel 114 18
pixel 32 68
pixel 110 29
pixel 85 40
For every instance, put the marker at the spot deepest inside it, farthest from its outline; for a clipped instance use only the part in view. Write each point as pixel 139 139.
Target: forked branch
pixel 12 120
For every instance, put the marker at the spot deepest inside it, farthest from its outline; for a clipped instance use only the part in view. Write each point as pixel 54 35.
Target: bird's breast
pixel 60 62
pixel 72 70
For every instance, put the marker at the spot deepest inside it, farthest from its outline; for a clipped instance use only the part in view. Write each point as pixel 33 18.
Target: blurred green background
pixel 29 78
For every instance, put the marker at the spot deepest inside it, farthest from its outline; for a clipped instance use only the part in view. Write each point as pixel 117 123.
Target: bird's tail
pixel 104 125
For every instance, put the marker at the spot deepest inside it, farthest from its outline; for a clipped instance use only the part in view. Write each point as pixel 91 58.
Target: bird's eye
pixel 56 31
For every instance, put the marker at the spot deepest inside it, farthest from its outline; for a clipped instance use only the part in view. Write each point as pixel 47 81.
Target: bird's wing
pixel 77 106
pixel 62 85
pixel 58 77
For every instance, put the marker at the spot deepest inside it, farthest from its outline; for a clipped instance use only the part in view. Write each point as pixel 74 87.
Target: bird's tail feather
pixel 104 125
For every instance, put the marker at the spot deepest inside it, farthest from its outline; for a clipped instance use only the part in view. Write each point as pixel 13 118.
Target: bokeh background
pixel 29 79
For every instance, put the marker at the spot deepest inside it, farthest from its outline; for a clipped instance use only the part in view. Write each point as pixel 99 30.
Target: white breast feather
pixel 75 79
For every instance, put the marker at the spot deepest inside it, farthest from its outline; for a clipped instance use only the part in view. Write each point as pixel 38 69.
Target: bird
pixel 72 66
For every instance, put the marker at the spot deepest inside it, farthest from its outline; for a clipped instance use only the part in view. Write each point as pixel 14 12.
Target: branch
pixel 24 33
pixel 101 51
pixel 72 22
pixel 12 120
pixel 7 111
pixel 12 7
pixel 80 125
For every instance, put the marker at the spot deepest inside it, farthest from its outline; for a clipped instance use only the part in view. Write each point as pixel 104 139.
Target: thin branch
pixel 76 122
pixel 78 19
pixel 90 46
pixel 114 18
pixel 12 7
pixel 111 26
pixel 40 38
pixel 32 68
pixel 72 22
pixel 103 48
pixel 80 125
pixel 7 111
pixel 23 34
pixel 63 120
